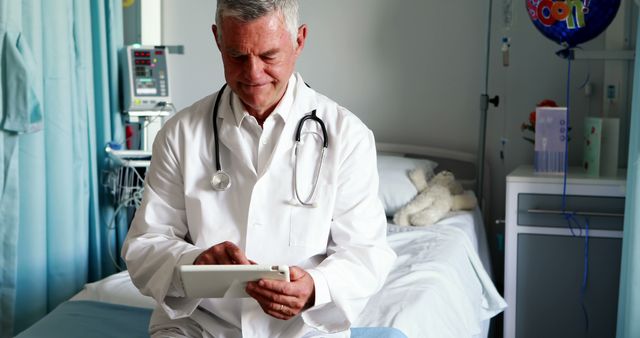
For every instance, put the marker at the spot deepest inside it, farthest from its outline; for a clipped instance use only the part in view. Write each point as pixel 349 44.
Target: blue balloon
pixel 572 22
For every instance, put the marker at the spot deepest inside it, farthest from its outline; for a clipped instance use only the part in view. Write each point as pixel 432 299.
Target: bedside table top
pixel 575 175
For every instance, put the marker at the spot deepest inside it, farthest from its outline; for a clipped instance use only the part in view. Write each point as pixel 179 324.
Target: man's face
pixel 259 58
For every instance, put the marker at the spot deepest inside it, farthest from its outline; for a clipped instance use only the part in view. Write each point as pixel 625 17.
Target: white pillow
pixel 396 188
pixel 116 289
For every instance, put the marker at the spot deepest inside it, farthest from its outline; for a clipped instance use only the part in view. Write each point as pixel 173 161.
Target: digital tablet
pixel 226 281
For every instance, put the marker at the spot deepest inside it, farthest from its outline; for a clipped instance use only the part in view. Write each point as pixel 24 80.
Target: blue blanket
pixel 104 320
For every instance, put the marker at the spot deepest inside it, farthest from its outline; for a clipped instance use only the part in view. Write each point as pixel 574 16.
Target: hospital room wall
pixel 410 70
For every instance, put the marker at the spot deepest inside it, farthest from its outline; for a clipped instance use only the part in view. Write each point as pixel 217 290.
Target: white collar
pixel 282 110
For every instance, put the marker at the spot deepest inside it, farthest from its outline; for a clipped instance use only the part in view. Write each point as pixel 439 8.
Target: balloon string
pixel 570 216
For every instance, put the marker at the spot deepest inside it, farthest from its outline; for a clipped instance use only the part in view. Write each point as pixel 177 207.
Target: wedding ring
pixel 281 307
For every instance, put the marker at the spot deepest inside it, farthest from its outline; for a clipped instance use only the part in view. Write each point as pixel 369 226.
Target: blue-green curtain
pixel 58 66
pixel 629 297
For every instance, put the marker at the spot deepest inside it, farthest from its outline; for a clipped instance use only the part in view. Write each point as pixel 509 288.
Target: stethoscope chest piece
pixel 220 181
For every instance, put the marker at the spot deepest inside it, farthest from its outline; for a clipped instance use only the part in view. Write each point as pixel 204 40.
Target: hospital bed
pixel 440 285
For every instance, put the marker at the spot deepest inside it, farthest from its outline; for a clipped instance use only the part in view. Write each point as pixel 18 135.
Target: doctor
pixel 336 246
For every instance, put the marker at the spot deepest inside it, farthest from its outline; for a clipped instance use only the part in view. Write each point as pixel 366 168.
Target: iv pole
pixel 484 106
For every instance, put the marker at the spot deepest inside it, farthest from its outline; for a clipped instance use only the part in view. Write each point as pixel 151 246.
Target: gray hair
pixel 248 10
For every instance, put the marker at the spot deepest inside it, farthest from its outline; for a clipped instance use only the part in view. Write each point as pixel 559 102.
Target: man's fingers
pixel 281 299
pixel 276 313
pixel 267 295
pixel 205 258
pixel 279 306
pixel 234 254
pixel 225 253
pixel 296 273
pixel 304 285
pixel 279 287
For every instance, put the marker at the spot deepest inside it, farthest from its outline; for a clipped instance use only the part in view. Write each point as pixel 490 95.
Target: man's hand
pixel 222 253
pixel 284 300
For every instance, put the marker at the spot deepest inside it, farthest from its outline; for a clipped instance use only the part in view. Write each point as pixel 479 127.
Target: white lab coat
pixel 341 242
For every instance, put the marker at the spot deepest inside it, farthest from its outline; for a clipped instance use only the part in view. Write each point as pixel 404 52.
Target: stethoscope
pixel 221 181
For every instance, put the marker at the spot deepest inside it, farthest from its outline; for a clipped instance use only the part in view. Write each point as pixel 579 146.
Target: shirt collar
pixel 282 110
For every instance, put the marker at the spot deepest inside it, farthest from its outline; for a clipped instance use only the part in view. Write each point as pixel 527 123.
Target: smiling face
pixel 259 57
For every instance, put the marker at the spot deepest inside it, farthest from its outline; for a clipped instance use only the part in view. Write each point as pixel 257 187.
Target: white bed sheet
pixel 470 222
pixel 439 286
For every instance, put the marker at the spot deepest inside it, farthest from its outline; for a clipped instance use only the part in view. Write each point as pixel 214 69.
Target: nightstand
pixel 544 260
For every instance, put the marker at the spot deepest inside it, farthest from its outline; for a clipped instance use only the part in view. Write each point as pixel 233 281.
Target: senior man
pixel 315 209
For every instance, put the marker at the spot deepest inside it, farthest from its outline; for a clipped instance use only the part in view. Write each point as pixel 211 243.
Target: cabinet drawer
pixel 545 210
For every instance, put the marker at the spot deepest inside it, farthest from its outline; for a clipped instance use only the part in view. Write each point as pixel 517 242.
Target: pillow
pixel 396 189
pixel 117 289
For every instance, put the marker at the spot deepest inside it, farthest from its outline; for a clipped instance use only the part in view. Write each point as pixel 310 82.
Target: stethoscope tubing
pixel 221 181
pixel 216 142
pixel 314 117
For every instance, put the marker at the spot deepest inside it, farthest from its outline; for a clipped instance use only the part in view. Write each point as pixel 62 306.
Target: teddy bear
pixel 437 195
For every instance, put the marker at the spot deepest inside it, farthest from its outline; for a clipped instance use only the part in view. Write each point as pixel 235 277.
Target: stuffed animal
pixel 437 195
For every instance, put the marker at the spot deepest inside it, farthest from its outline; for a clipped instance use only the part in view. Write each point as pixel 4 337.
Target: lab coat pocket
pixel 310 225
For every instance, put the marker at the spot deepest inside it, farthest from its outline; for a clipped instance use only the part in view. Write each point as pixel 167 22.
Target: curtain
pixel 21 113
pixel 629 297
pixel 59 109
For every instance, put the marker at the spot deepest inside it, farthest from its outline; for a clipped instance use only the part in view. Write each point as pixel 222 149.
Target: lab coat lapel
pixel 230 136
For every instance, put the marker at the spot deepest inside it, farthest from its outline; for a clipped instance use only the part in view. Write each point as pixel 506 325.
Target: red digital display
pixel 158 52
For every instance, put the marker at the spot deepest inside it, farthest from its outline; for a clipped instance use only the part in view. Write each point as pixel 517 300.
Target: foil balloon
pixel 572 22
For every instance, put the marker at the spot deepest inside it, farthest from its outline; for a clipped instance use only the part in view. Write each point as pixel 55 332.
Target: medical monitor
pixel 146 80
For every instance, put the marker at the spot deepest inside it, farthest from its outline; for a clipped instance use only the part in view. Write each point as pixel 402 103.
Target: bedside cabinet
pixel 544 260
